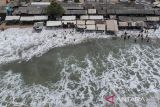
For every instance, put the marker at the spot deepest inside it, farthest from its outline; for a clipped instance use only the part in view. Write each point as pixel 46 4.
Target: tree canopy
pixel 55 9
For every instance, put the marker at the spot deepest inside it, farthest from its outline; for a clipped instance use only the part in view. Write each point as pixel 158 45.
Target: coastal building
pixel 54 23
pixel 123 24
pixel 84 17
pixel 112 25
pixel 27 19
pixel 80 25
pixel 12 19
pixel 30 10
pixel 153 18
pixel 80 22
pixel 96 17
pixel 101 27
pixel 90 22
pixel 90 27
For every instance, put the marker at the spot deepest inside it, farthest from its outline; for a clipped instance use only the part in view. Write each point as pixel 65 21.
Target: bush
pixel 55 9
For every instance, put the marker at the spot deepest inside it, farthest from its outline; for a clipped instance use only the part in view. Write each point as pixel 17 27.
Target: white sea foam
pixel 18 44
pixel 133 71
pixel 23 44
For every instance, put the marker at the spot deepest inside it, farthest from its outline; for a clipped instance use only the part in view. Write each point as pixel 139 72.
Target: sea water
pixel 81 70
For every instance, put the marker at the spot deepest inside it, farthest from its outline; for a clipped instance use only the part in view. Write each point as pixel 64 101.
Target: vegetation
pixel 76 1
pixel 55 10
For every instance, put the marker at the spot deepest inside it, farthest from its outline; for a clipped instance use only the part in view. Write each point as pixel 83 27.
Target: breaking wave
pixel 23 44
pixel 133 71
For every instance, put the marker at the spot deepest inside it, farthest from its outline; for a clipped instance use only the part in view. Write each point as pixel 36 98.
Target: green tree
pixel 55 10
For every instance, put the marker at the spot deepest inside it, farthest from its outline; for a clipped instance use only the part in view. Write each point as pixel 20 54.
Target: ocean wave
pixel 23 44
pixel 132 71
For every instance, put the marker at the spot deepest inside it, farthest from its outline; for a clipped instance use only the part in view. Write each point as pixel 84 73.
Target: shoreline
pixel 18 44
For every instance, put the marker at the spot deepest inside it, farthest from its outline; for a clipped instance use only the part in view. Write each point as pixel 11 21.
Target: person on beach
pixel 141 35
pixel 148 40
pixel 141 31
pixel 135 40
pixel 128 36
pixel 125 37
pixel 142 38
pixel 145 31
pixel 54 35
pixel 125 33
pixel 121 36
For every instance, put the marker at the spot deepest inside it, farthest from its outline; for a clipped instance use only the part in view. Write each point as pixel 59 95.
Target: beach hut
pixel 12 19
pixel 132 24
pixel 68 18
pixel 75 12
pixel 90 27
pixel 54 23
pixel 27 19
pixel 80 22
pixel 69 21
pixel 112 25
pixel 40 18
pixel 153 18
pixel 96 17
pixel 90 22
pixel 84 17
pixel 140 24
pixel 81 27
pixel 100 27
pixel 123 24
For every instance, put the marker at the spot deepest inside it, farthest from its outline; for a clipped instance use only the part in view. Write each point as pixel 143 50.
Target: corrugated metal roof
pixel 111 11
pixel 30 10
pixel 77 12
pixel 134 11
pixel 102 12
pixel 140 23
pixel 133 18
